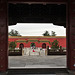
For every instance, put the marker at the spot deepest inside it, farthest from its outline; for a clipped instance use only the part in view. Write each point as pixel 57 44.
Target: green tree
pixel 53 33
pixel 55 44
pixel 14 33
pixel 46 33
pixel 12 45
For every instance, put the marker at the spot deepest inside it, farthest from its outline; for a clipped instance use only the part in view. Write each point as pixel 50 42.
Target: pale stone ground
pixel 36 61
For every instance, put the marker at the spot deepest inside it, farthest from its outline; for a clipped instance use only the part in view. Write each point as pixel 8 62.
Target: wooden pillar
pixel 3 36
pixel 71 35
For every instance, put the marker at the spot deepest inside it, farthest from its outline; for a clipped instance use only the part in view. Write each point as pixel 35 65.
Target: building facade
pixel 37 41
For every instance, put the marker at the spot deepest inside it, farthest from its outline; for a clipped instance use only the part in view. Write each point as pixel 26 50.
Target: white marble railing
pixel 29 51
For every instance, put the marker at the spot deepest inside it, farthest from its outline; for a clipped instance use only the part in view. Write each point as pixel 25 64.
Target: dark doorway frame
pixel 70 25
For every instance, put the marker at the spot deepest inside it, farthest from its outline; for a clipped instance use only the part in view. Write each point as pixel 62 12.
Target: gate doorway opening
pixel 39 57
pixel 21 45
pixel 38 13
pixel 33 45
pixel 43 45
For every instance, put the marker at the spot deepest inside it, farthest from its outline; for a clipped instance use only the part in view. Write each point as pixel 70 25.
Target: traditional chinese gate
pixel 70 30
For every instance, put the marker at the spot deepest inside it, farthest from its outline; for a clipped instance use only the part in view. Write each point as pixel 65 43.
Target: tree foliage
pixel 12 45
pixel 14 33
pixel 53 33
pixel 46 33
pixel 54 44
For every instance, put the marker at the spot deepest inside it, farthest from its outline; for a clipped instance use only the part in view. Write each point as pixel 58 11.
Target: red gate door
pixel 71 35
pixel 3 36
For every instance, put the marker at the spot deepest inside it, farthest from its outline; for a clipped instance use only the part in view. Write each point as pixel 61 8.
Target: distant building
pixel 37 41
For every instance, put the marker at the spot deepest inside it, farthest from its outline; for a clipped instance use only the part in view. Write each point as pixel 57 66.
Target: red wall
pixel 62 41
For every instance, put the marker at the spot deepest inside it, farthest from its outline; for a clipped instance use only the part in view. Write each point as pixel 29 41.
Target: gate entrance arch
pixel 21 45
pixel 44 45
pixel 70 26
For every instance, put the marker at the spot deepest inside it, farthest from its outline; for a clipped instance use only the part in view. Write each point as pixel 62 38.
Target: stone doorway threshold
pixel 38 71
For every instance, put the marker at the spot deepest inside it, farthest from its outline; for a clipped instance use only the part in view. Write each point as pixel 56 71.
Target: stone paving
pixel 34 61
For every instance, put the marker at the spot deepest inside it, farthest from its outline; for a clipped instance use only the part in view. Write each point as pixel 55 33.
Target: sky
pixel 37 29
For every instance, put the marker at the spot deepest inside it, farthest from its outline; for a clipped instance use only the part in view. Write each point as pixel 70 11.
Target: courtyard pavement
pixel 33 61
